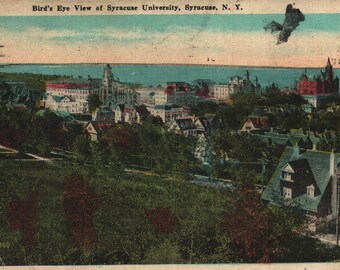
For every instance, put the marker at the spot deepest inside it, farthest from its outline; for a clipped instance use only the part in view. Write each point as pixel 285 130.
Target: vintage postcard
pixel 184 134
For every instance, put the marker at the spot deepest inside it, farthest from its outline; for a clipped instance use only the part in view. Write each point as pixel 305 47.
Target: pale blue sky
pixel 209 34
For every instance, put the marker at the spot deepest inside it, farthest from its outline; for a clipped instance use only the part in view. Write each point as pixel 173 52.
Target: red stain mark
pixel 23 216
pixel 162 219
pixel 80 202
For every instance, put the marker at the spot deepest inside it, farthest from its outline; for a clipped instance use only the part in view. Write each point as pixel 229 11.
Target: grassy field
pixel 123 232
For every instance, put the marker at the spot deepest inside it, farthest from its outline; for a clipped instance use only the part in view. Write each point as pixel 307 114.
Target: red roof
pixel 70 85
pixel 168 91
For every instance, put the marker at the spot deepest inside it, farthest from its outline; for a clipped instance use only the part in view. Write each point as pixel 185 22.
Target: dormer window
pixel 287 176
pixel 287 172
pixel 310 190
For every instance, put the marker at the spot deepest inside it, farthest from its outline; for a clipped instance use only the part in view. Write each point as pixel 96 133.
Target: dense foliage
pixel 145 220
pixel 93 102
pixel 33 81
pixel 37 133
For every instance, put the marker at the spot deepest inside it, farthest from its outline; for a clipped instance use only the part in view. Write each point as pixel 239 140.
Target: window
pixel 310 191
pixel 287 176
pixel 287 193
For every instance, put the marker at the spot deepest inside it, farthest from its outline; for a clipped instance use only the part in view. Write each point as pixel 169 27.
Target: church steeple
pixel 329 70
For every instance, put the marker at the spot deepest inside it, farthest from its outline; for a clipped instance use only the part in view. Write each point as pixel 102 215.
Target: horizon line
pixel 164 64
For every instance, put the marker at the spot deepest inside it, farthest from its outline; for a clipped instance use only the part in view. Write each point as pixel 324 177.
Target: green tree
pixel 245 103
pixel 93 159
pixel 94 102
pixel 175 155
pixel 122 141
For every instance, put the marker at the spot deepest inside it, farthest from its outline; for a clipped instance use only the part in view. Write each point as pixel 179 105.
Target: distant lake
pixel 158 74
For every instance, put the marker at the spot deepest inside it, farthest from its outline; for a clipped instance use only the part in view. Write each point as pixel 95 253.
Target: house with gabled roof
pixel 254 123
pixel 66 117
pixel 125 113
pixel 93 128
pixel 202 125
pixel 105 114
pixel 307 141
pixel 62 103
pixel 183 126
pixel 306 179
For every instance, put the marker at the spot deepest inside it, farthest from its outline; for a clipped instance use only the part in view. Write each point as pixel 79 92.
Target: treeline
pixel 145 147
pixel 33 81
pixel 28 131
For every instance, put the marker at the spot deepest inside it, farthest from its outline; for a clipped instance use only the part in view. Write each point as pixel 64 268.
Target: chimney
pixel 314 147
pixel 296 150
pixel 332 163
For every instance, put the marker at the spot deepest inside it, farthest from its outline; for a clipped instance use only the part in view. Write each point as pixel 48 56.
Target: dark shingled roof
pixel 185 123
pixel 316 161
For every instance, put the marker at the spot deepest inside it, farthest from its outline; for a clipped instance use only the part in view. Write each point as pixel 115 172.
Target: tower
pixel 106 89
pixel 329 70
pixel 246 75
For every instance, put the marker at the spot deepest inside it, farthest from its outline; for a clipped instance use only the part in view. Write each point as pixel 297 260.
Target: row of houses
pixel 188 126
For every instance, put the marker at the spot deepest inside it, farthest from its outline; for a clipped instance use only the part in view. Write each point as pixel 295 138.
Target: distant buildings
pixel 125 113
pixel 316 89
pixel 178 93
pixel 63 103
pixel 236 84
pixel 113 92
pixel 147 95
pixel 70 95
pixel 168 112
pixel 16 93
pixel 224 91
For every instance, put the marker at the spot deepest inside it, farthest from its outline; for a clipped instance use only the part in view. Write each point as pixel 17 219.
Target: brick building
pixel 323 84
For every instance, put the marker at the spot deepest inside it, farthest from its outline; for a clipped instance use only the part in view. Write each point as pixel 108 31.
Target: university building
pixel 316 89
pixel 113 92
pixel 70 95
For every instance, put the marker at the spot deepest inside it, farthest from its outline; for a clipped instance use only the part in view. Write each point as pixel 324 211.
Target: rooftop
pixel 317 162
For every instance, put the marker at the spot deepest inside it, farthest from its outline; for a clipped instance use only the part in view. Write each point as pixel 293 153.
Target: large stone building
pixel 236 84
pixel 224 91
pixel 113 92
pixel 71 95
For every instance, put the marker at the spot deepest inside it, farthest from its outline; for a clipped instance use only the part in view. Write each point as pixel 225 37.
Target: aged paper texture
pixel 179 135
